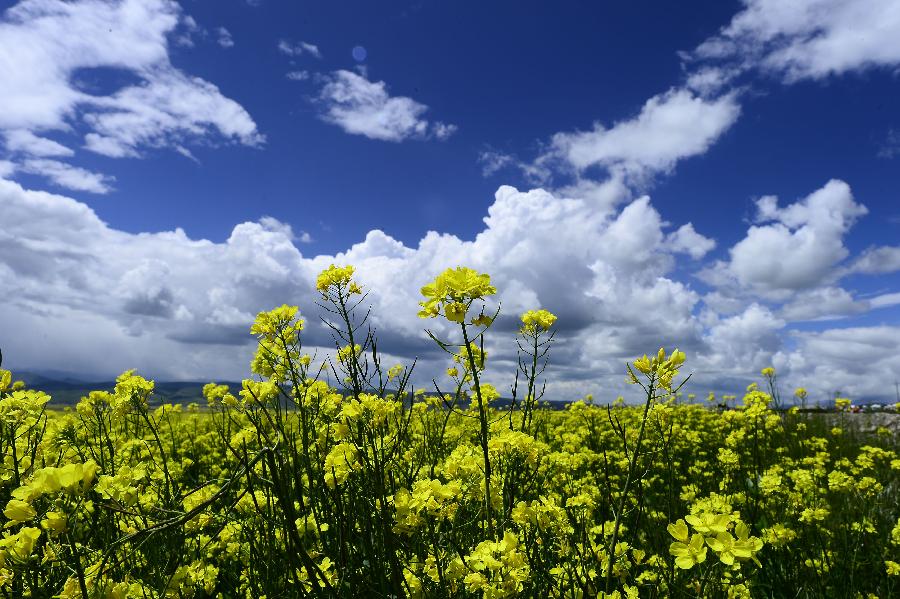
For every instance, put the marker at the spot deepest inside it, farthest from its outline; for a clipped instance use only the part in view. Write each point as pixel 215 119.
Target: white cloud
pixel 877 260
pixel 224 38
pixel 177 307
pixel 807 39
pixel 298 48
pixel 297 75
pixel 670 127
pixel 795 247
pixel 26 142
pixel 686 240
pixel 363 107
pixel 825 303
pixel 68 176
pixel 47 45
pixel 854 361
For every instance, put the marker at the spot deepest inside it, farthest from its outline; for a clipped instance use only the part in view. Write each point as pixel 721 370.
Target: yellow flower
pixel 454 290
pixel 535 321
pixel 768 371
pixel 687 555
pixel 709 523
pixel 335 277
pixel 18 511
pixel 395 371
pixel 893 568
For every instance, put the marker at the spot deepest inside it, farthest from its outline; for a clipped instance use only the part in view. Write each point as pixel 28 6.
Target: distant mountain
pixel 67 390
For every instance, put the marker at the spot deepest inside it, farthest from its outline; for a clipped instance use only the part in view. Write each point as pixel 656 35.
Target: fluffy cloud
pixel 669 127
pixel 802 39
pixel 854 361
pixel 686 240
pixel 46 46
pixel 877 260
pixel 177 307
pixel 363 107
pixel 792 248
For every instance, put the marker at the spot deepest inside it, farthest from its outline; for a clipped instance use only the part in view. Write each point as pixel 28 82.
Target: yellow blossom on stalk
pixel 345 352
pixel 768 371
pixel 337 277
pixel 535 321
pixel 5 379
pixel 841 403
pixel 482 321
pixel 800 393
pixel 453 291
pixel 478 356
pixel 663 368
pixel 395 371
pixel 893 568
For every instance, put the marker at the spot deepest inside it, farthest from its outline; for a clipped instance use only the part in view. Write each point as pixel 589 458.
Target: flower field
pixel 338 479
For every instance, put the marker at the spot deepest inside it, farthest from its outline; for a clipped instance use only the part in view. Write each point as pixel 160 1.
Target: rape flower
pixel 394 371
pixel 709 523
pixel 453 291
pixel 688 550
pixel 18 511
pixel 659 366
pixel 337 277
pixel 893 568
pixel 535 321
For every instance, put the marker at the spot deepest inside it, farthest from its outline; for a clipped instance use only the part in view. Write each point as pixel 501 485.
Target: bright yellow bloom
pixel 454 290
pixel 534 321
pixel 18 511
pixel 336 277
pixel 689 554
pixel 709 523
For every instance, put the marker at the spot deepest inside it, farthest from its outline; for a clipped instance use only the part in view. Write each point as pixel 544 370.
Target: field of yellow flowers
pixel 294 486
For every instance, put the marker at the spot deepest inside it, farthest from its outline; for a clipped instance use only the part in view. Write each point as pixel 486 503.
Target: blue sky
pixel 642 141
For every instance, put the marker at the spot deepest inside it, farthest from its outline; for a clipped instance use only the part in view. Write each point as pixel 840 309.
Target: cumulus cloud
pixel 825 303
pixel 363 107
pixel 45 47
pixel 687 241
pixel 792 248
pixel 178 307
pixel 852 361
